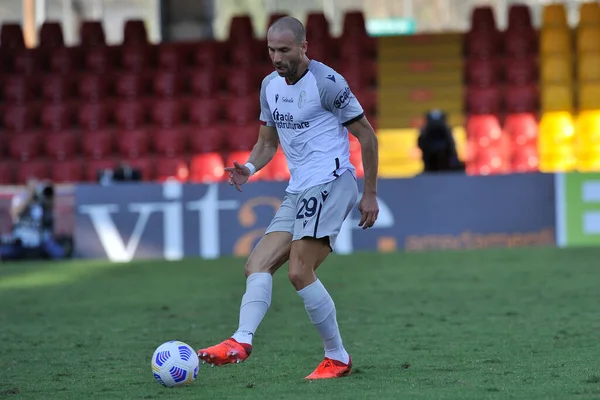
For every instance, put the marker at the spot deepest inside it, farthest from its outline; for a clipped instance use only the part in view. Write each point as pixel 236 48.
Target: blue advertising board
pixel 173 220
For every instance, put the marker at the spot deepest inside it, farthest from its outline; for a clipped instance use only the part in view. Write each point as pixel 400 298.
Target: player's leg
pixel 314 239
pixel 271 252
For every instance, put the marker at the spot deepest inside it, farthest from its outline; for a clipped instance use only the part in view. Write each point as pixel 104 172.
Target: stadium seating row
pixel 162 83
pixel 205 167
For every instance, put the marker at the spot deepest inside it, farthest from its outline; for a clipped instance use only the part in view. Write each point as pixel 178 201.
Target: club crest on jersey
pixel 286 121
pixel 342 99
pixel 302 99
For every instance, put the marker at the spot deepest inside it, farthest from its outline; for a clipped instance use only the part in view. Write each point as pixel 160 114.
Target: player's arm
pixel 265 147
pixel 365 134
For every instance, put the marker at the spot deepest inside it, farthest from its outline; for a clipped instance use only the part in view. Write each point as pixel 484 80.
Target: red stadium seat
pixel 354 24
pixel 484 130
pixel 133 143
pixel 522 99
pixel 56 116
pixel 208 139
pixel 99 59
pixel 172 169
pixel 322 50
pixel 356 160
pixel 520 43
pixel 18 89
pixel 490 161
pixel 68 171
pixel 207 54
pixel 135 58
pixel 246 55
pixel 169 142
pixel 38 169
pixel 204 82
pixel 93 116
pixel 98 144
pixel 7 172
pixel 93 167
pixel 482 71
pixel 277 169
pixel 317 26
pixel 519 17
pixel 206 168
pixel 353 74
pixel 11 36
pixel 169 57
pixel 25 145
pixel 241 138
pixel 522 128
pixel 144 165
pixel 129 85
pixel 167 83
pixel 61 145
pixel 241 82
pixel 130 114
pixel 135 32
pixel 64 60
pixel 483 100
pixel 56 88
pixel 525 159
pixel 92 87
pixel 166 113
pixel 368 101
pixel 51 35
pixel 242 110
pixel 483 19
pixel 27 61
pixel 19 117
pixel 482 44
pixel 204 112
pixel 92 34
pixel 521 71
pixel 240 29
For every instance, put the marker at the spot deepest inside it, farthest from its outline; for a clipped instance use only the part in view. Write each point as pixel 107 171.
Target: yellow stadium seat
pixel 556 70
pixel 588 67
pixel 556 129
pixel 589 14
pixel 554 15
pixel 557 98
pixel 588 39
pixel 589 96
pixel 563 162
pixel 587 127
pixel 555 41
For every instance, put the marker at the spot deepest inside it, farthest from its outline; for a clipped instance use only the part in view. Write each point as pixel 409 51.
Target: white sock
pixel 255 303
pixel 321 311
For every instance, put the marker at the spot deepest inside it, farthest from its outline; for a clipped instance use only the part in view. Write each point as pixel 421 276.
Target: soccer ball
pixel 175 364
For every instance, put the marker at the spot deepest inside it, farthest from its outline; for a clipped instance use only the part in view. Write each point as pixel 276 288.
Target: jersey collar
pixel 299 79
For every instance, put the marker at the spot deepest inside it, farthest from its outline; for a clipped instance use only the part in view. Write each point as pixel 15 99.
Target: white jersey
pixel 310 116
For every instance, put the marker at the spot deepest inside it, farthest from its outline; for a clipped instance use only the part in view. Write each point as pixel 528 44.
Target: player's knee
pixel 300 271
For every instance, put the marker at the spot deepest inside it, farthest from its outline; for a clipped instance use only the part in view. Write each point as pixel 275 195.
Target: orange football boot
pixel 331 369
pixel 229 351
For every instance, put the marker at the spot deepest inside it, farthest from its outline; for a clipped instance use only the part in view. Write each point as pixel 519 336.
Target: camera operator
pixel 437 144
pixel 32 234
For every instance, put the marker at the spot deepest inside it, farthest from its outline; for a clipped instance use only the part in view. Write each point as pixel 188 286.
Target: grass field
pixel 496 324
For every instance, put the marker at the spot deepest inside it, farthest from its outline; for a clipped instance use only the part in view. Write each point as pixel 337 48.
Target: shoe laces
pixel 327 364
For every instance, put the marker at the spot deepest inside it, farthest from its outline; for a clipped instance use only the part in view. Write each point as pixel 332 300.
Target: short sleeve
pixel 265 113
pixel 337 97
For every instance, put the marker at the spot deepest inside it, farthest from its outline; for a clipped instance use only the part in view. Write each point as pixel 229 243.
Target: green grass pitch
pixel 493 324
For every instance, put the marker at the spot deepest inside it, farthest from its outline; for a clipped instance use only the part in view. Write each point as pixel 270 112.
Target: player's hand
pixel 369 208
pixel 238 175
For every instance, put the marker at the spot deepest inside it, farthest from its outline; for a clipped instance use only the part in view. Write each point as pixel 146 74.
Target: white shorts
pixel 317 212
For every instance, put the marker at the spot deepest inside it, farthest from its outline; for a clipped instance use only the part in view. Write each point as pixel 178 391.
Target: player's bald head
pixel 290 24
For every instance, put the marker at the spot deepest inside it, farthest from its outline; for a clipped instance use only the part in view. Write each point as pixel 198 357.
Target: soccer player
pixel 308 108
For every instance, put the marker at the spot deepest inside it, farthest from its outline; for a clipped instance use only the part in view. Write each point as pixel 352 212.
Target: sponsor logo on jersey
pixel 342 99
pixel 331 78
pixel 276 98
pixel 287 99
pixel 302 99
pixel 286 121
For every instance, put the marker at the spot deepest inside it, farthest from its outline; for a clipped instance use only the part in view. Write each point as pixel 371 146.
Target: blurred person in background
pixel 32 234
pixel 437 144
